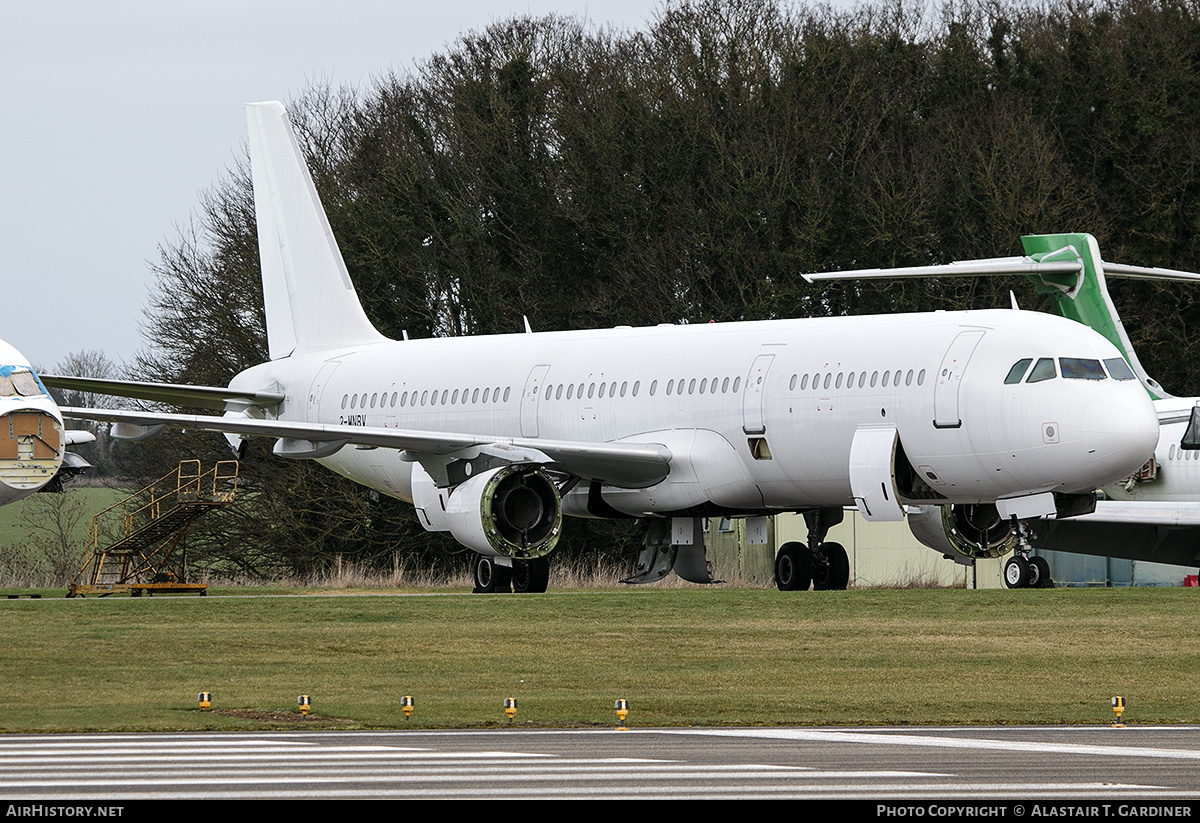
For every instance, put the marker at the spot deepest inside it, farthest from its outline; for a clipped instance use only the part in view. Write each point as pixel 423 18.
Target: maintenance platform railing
pixel 137 545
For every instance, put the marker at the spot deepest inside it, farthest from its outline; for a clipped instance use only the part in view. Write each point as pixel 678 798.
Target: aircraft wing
pixel 630 465
pixel 1168 416
pixel 205 397
pixel 1144 512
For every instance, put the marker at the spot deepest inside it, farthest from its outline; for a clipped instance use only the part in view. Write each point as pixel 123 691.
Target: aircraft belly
pixel 378 469
pixel 707 470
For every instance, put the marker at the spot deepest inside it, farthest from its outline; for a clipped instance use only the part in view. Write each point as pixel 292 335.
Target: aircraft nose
pixel 1120 433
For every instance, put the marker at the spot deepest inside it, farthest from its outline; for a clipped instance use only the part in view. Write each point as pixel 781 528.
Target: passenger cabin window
pixel 1042 370
pixel 1018 371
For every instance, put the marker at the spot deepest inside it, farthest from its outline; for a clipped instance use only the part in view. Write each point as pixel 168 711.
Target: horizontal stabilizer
pixel 1148 273
pixel 965 268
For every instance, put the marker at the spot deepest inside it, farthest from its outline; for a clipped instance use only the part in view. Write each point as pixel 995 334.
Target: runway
pixel 1009 764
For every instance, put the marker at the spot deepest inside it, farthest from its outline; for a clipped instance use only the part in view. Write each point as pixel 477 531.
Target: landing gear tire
pixel 490 576
pixel 793 568
pixel 1016 572
pixel 1039 574
pixel 833 573
pixel 1035 575
pixel 530 576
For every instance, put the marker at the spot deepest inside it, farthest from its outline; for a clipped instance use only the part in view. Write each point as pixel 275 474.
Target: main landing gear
pixel 1021 572
pixel 523 576
pixel 1025 572
pixel 823 566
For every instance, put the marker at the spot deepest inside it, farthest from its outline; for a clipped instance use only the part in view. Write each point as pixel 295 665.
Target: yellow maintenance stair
pixel 136 545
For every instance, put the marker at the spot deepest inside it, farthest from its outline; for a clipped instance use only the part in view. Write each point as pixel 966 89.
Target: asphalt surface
pixel 1093 765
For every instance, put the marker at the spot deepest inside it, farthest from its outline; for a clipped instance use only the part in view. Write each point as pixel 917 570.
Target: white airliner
pixel 494 439
pixel 33 441
pixel 1152 515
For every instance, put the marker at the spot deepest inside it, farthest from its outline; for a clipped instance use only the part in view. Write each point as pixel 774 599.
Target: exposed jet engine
pixel 511 511
pixel 964 532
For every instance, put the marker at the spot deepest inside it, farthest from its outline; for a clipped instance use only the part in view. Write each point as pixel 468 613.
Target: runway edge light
pixel 205 700
pixel 510 708
pixel 303 702
pixel 621 707
pixel 406 705
pixel 1118 706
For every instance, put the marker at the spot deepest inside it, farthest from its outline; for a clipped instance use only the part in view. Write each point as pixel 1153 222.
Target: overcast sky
pixel 116 114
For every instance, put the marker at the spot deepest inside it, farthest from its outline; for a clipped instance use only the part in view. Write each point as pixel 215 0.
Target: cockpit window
pixel 1018 370
pixel 1077 368
pixel 18 382
pixel 1118 369
pixel 1042 370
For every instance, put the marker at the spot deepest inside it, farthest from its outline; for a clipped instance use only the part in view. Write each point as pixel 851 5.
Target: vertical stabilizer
pixel 310 301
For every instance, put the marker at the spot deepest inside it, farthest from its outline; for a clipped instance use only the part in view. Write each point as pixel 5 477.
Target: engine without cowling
pixel 511 511
pixel 964 532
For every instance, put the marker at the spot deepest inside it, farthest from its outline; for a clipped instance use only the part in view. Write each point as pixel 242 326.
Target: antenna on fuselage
pixel 525 318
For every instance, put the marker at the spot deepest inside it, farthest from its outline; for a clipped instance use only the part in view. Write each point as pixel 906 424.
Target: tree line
pixel 586 176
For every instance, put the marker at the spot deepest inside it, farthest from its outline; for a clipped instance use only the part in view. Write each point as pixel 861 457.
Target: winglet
pixel 309 299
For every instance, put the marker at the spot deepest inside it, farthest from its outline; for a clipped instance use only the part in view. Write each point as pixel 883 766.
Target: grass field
pixel 43 537
pixel 679 656
pixel 14 528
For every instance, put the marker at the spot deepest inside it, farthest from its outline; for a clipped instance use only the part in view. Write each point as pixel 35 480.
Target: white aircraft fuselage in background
pixel 32 441
pixel 495 438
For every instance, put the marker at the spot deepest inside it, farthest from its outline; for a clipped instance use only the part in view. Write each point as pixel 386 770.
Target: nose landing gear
pixel 1025 572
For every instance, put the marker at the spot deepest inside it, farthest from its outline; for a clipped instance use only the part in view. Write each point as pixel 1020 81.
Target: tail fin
pixel 310 301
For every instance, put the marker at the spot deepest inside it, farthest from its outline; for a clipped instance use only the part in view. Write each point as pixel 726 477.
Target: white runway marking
pixel 130 767
pixel 945 742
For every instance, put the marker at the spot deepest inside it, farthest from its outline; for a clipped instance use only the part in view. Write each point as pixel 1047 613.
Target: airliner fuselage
pixel 756 416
